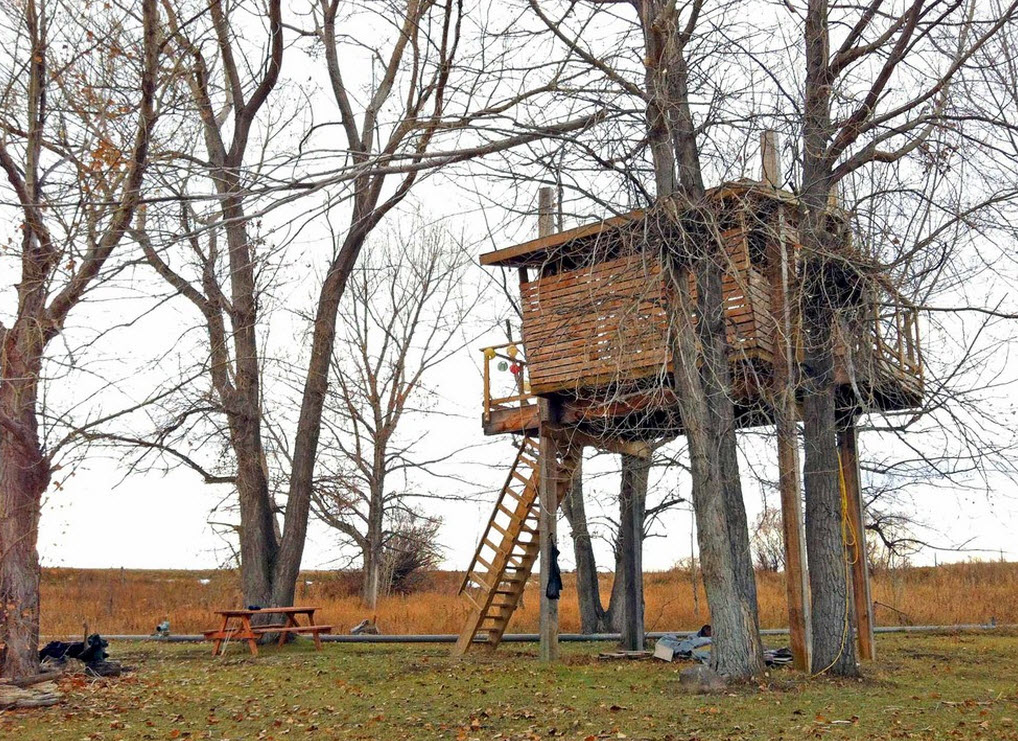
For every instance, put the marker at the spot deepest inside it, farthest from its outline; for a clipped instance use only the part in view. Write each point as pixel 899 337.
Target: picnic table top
pixel 268 611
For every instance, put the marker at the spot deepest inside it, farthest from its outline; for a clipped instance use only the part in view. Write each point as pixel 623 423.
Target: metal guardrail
pixel 564 637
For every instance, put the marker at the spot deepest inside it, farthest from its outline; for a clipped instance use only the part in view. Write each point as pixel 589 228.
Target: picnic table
pixel 236 625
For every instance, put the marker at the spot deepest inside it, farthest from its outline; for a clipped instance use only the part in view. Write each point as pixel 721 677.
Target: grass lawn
pixel 923 687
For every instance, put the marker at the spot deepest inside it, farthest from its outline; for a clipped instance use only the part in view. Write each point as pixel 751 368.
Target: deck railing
pixel 885 342
pixel 508 384
pixel 896 338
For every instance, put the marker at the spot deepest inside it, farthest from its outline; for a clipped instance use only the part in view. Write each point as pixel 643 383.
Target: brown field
pixel 133 602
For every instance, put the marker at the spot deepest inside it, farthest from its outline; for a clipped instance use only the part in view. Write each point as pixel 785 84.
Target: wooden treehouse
pixel 594 368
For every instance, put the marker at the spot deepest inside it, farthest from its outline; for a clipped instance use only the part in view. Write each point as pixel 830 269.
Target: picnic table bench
pixel 236 625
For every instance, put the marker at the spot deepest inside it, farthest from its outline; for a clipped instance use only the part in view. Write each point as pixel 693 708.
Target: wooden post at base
pixel 634 478
pixel 548 531
pixel 781 275
pixel 796 581
pixel 848 449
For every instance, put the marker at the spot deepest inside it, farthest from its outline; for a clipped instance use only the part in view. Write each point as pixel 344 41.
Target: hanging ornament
pixel 516 369
pixel 502 365
pixel 489 353
pixel 512 352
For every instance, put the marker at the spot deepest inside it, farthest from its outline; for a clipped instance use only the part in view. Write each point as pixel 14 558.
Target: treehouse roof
pixel 537 252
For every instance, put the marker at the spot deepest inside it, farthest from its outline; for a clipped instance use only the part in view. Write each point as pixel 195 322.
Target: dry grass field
pixel 133 602
pixel 930 687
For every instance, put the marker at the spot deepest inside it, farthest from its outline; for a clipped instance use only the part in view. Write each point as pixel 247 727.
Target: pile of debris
pixel 697 648
pixel 36 691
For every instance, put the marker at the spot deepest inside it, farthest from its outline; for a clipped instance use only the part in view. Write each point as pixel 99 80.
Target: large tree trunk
pixel 24 476
pixel 593 617
pixel 833 624
pixel 833 647
pixel 258 544
pixel 701 374
pixel 316 384
pixel 717 385
pixel 737 651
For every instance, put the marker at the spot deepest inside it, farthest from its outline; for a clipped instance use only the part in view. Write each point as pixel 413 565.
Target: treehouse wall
pixel 606 323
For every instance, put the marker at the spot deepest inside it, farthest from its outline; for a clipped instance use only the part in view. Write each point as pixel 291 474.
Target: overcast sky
pixel 101 512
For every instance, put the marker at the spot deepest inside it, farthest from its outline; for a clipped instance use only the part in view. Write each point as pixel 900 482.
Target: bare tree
pixel 421 99
pixel 403 315
pixel 76 118
pixel 692 251
pixel 768 540
pixel 851 122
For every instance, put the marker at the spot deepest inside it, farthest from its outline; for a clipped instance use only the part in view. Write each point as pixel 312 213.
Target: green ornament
pixel 502 365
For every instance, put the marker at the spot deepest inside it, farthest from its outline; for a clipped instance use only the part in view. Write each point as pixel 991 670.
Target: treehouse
pixel 596 331
pixel 594 367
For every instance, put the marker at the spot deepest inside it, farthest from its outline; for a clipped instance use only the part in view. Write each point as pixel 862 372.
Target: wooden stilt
pixel 796 578
pixel 634 488
pixel 849 451
pixel 781 276
pixel 548 498
pixel 549 474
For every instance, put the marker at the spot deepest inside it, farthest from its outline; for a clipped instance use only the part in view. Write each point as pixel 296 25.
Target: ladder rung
pixel 479 581
pixel 519 476
pixel 517 495
pixel 506 510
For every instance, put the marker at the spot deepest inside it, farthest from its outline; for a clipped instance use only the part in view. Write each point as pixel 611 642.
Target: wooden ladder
pixel 494 583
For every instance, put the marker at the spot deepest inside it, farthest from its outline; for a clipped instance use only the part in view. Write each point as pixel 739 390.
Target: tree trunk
pixel 736 651
pixel 629 565
pixel 316 383
pixel 24 476
pixel 593 617
pixel 717 385
pixel 372 586
pixel 701 378
pixel 258 544
pixel 833 645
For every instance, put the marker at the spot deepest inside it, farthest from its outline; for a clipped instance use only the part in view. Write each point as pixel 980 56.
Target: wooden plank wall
pixel 607 322
pixel 596 324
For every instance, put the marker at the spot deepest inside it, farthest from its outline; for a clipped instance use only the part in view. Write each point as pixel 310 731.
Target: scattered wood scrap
pixel 35 691
pixel 630 655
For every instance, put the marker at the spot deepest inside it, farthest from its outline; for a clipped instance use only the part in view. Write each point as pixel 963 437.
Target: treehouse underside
pixel 651 412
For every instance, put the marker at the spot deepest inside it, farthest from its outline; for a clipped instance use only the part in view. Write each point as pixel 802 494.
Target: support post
pixel 781 276
pixel 635 474
pixel 848 450
pixel 796 578
pixel 548 476
pixel 770 161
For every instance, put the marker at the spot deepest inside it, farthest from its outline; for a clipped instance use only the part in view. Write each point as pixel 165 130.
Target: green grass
pixel 923 687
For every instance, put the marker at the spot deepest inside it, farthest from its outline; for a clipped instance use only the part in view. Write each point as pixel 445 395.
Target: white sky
pixel 102 517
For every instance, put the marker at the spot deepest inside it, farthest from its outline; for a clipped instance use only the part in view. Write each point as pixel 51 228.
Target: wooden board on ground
pixel 629 655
